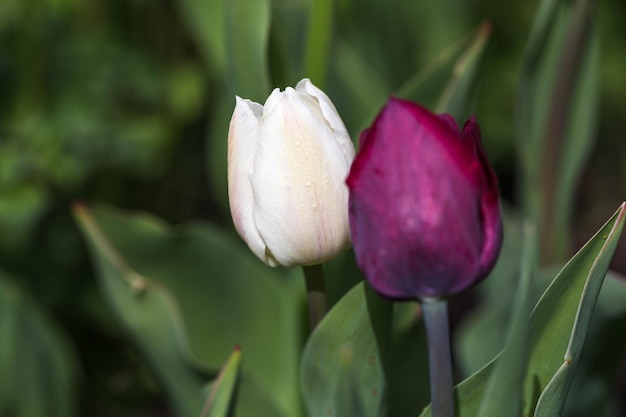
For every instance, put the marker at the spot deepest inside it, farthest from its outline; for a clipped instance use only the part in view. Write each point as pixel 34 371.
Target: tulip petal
pixel 242 142
pixel 421 221
pixel 299 168
pixel 332 116
pixel 490 207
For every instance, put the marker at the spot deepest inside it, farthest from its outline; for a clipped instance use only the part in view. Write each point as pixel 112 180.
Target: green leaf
pixel 567 306
pixel 353 71
pixel 247 31
pixel 558 326
pixel 446 84
pixel 233 36
pixel 187 296
pixel 221 400
pixel 451 78
pixel 503 395
pixel 320 30
pixel 38 368
pixel 206 23
pixel 343 365
pixel 592 391
pixel 556 112
pixel 482 333
pixel 408 378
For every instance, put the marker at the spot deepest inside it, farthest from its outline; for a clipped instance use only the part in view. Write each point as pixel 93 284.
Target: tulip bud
pixel 287 164
pixel 424 210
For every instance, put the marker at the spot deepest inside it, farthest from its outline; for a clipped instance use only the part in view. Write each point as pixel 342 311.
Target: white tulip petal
pixel 300 198
pixel 242 142
pixel 272 100
pixel 332 116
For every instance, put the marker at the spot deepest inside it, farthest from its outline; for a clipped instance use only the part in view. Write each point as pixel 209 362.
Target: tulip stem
pixel 316 293
pixel 435 312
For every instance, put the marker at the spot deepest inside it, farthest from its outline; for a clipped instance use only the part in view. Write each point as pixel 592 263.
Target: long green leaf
pixel 503 395
pixel 319 38
pixel 446 84
pixel 233 36
pixel 556 109
pixel 564 292
pixel 221 399
pixel 205 20
pixel 451 78
pixel 562 315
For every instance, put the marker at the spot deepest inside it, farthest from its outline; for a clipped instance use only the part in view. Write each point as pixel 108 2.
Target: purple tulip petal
pixel 424 212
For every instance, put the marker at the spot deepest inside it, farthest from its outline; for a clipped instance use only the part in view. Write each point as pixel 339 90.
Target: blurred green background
pixel 127 102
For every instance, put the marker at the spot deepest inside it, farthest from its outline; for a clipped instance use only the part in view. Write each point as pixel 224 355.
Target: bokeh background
pixel 123 102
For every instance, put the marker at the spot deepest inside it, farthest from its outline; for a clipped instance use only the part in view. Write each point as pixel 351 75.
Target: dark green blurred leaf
pixel 503 395
pixel 21 207
pixel 234 37
pixel 556 109
pixel 365 91
pixel 342 274
pixel 189 296
pixel 482 332
pixel 447 84
pixel 450 80
pixel 38 371
pixel 343 363
pixel 150 314
pixel 205 19
pixel 319 36
pixel 408 380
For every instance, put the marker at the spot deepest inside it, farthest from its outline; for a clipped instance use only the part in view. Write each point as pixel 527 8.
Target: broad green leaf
pixel 503 395
pixel 556 111
pixel 558 324
pixel 149 314
pixel 343 369
pixel 38 369
pixel 221 400
pixel 187 296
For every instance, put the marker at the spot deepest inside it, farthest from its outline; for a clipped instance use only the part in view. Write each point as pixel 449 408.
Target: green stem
pixel 318 41
pixel 316 293
pixel 435 313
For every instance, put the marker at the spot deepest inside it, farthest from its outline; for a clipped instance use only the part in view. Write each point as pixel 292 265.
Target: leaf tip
pixel 621 211
pixel 78 206
pixel 484 31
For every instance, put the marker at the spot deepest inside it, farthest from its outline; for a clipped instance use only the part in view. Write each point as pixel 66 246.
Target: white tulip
pixel 287 165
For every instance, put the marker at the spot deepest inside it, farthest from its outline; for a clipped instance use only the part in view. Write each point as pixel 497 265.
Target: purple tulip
pixel 424 209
